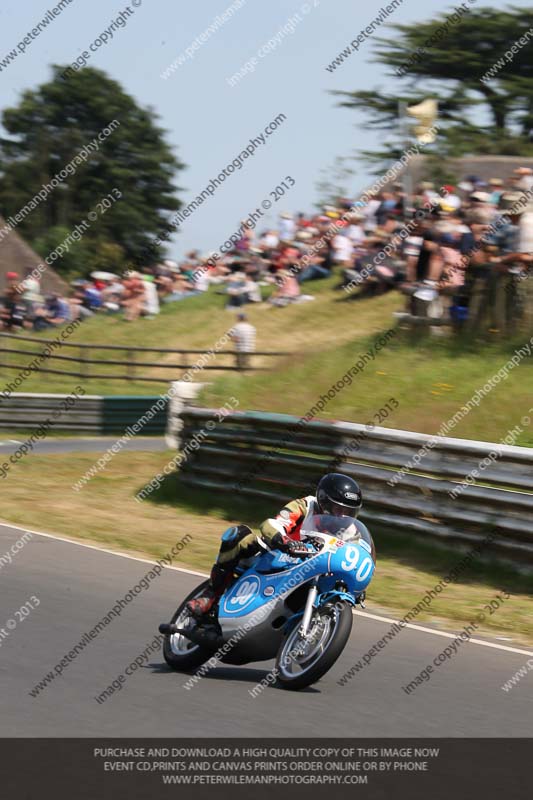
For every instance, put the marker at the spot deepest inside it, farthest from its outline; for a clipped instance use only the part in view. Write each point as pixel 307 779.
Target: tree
pixel 47 130
pixel 447 58
pixel 332 184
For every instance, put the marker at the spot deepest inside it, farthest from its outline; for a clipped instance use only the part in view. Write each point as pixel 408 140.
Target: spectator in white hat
pixel 287 227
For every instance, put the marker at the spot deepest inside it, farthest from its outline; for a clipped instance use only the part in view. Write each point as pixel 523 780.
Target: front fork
pixel 308 611
pixel 309 605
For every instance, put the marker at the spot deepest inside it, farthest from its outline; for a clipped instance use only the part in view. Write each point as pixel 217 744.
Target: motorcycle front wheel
pixel 179 652
pixel 303 661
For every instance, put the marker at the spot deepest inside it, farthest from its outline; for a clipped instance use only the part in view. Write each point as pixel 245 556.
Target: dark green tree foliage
pixel 47 129
pixel 494 116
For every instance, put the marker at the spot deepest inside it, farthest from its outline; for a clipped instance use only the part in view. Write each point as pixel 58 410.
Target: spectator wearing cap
pixel 243 335
pixel 355 229
pixel 287 227
pixel 13 281
pixel 30 289
pixel 13 307
pixel 479 222
pixel 496 191
pixel 453 201
pixel 524 177
pixel 506 234
pixel 480 200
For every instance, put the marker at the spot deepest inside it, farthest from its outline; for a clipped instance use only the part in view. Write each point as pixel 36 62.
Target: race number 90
pixel 351 558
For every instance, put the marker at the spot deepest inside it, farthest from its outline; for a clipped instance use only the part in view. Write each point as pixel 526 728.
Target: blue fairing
pixel 275 574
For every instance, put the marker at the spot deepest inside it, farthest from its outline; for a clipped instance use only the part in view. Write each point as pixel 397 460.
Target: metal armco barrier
pixel 90 414
pixel 279 457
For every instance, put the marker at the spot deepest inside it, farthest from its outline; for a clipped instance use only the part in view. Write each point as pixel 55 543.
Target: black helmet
pixel 339 495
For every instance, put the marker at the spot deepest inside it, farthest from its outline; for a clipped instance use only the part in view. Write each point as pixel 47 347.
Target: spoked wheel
pixel 178 651
pixel 303 661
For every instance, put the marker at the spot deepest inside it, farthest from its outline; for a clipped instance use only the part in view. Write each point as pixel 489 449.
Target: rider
pixel 336 494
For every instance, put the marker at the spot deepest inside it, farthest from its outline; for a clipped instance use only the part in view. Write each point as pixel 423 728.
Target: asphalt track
pixel 96 444
pixel 77 585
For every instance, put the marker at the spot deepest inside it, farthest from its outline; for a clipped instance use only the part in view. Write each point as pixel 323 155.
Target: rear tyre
pixel 302 662
pixel 179 652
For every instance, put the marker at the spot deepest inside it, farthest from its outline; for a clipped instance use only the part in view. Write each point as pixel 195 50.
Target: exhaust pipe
pixel 167 629
pixel 205 638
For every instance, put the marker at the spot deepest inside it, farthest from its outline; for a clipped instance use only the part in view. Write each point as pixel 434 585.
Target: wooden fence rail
pixel 132 367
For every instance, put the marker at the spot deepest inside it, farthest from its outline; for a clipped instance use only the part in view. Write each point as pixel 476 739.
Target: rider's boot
pixel 220 579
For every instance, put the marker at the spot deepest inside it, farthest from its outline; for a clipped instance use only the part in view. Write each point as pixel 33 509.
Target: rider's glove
pixel 288 545
pixel 295 548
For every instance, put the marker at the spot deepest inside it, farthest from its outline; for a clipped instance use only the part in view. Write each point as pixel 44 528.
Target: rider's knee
pixel 234 539
pixel 249 546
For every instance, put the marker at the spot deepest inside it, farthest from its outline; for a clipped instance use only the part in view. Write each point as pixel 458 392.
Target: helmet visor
pixel 338 510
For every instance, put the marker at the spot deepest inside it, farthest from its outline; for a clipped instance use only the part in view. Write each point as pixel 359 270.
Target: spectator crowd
pixel 459 254
pixel 134 295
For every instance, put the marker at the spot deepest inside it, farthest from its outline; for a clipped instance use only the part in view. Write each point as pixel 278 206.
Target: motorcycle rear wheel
pixel 180 653
pixel 300 662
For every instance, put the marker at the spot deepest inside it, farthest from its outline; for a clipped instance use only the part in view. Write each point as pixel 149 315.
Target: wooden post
pixel 477 307
pixel 130 368
pixel 83 363
pixel 6 350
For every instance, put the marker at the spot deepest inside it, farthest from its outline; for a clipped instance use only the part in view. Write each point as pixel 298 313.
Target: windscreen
pixel 342 527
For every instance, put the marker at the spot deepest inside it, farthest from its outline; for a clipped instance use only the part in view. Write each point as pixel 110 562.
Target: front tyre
pixel 301 662
pixel 179 652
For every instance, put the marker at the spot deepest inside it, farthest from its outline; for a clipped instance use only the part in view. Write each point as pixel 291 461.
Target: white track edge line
pixel 99 549
pixel 449 635
pixel 204 575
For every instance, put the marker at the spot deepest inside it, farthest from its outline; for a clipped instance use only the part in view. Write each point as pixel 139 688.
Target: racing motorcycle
pixel 297 610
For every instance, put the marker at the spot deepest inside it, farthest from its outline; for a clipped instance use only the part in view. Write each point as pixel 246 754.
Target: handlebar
pixel 304 552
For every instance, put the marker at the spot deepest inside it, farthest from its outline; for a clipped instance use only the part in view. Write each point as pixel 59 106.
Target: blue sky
pixel 208 121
